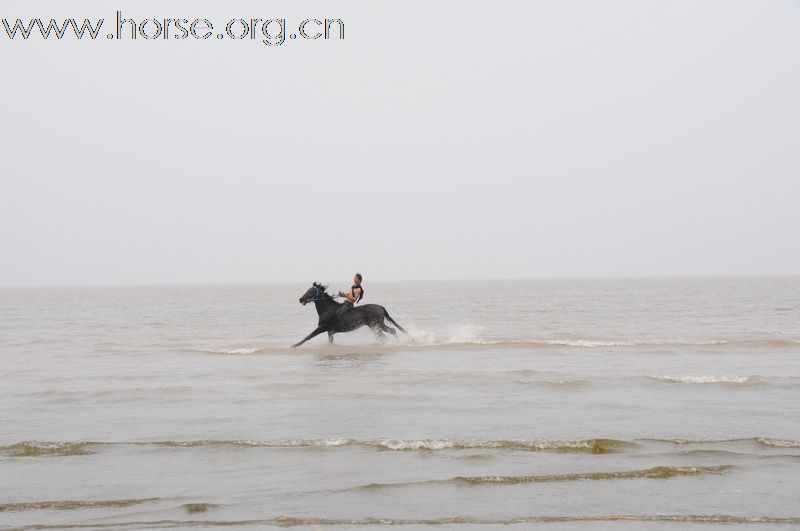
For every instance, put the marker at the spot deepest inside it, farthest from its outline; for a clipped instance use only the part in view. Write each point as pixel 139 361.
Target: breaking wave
pixel 778 443
pixel 590 343
pixel 596 446
pixel 251 350
pixel 659 472
pixel 198 507
pixel 584 446
pixel 468 337
pixel 306 521
pixel 39 449
pixel 703 379
pixel 764 442
pixel 465 520
pixel 71 505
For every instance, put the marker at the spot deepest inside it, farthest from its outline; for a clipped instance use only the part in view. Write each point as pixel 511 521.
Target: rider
pixel 355 294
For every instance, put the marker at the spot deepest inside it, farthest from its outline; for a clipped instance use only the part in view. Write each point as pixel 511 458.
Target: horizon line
pixel 401 280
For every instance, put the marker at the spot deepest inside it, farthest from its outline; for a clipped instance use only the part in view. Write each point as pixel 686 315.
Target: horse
pixel 332 321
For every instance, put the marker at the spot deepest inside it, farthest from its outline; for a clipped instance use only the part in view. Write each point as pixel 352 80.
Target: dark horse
pixel 330 321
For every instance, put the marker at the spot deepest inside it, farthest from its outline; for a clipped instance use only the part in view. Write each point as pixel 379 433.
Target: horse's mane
pixel 324 289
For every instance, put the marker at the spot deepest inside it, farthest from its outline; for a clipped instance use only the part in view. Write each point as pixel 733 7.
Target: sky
pixel 437 140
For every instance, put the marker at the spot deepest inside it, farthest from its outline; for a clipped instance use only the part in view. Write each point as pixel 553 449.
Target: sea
pixel 598 404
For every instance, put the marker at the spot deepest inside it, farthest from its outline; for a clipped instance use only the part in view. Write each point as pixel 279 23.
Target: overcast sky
pixel 440 139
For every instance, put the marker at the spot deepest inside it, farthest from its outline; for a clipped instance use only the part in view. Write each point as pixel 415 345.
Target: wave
pixel 584 343
pixel 750 380
pixel 778 443
pixel 591 343
pixel 38 449
pixel 703 379
pixel 534 378
pixel 251 350
pixel 465 520
pixel 711 452
pixel 198 507
pixel 306 521
pixel 764 442
pixel 468 341
pixel 559 383
pixel 596 446
pixel 593 446
pixel 659 472
pixel 585 446
pixel 70 505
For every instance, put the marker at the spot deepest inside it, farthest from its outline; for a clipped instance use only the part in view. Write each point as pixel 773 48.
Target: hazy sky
pixel 440 139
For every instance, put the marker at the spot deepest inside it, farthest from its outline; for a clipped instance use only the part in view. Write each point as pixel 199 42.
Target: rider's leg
pixel 344 308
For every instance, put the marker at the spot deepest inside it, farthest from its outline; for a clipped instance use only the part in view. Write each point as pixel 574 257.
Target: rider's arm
pixel 353 295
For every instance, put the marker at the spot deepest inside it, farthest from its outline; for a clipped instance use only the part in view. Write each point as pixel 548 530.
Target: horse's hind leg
pixel 389 329
pixel 330 337
pixel 378 332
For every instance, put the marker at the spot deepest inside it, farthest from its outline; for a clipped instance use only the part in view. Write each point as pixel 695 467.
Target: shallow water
pixel 570 404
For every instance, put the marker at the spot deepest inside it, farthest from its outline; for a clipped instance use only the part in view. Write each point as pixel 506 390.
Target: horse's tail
pixel 389 318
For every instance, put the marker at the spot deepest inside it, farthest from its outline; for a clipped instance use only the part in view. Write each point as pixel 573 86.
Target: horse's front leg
pixel 316 332
pixel 330 336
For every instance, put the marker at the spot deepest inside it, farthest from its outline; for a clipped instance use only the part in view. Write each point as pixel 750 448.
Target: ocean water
pixel 560 404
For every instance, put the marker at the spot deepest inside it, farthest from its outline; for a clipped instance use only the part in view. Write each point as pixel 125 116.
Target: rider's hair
pixel 359 277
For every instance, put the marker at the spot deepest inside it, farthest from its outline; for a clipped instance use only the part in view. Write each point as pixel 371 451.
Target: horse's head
pixel 314 293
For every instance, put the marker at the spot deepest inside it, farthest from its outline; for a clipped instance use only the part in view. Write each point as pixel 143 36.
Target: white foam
pixel 461 334
pixel 779 443
pixel 229 350
pixel 703 379
pixel 628 342
pixel 430 444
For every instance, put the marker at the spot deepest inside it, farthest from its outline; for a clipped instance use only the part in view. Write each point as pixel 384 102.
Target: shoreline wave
pixel 498 343
pixel 71 505
pixel 596 446
pixel 658 472
pixel 590 446
pixel 705 379
pixel 306 521
pixel 766 442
